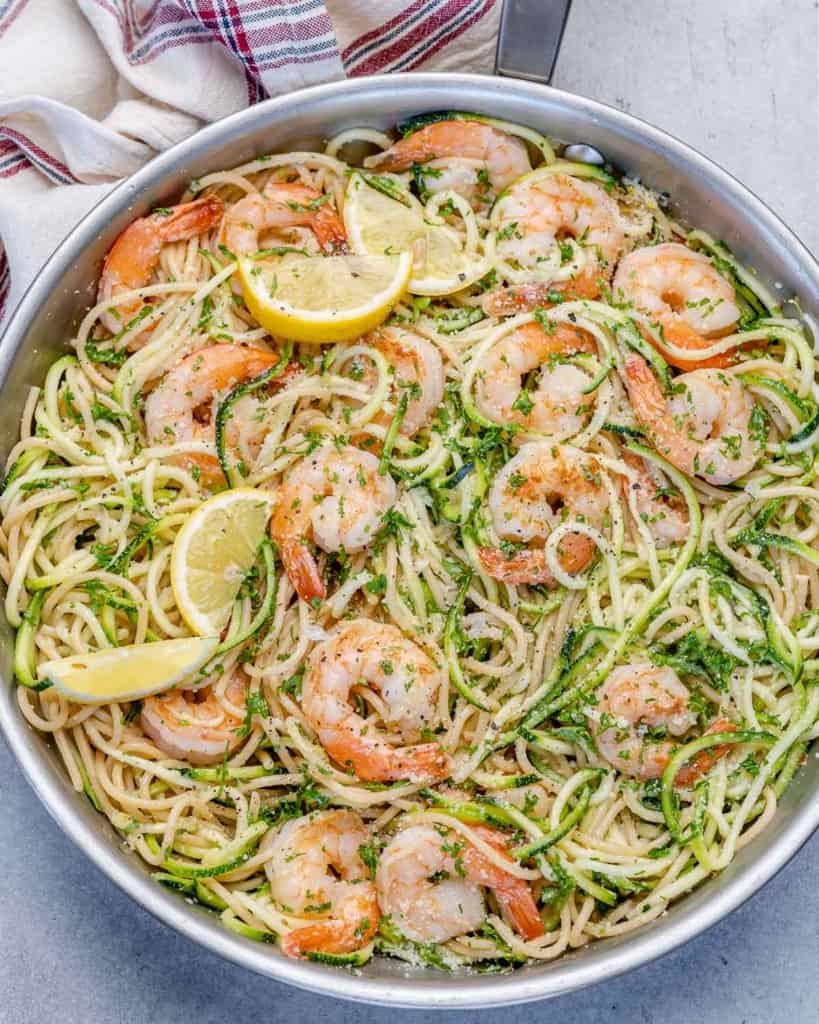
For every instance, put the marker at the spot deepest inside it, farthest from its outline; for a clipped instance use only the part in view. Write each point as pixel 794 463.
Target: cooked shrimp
pixel 505 156
pixel 282 205
pixel 249 421
pixel 537 215
pixel 431 886
pixel 557 406
pixel 467 178
pixel 704 428
pixel 682 289
pixel 333 498
pixel 640 697
pixel 197 726
pixel 315 870
pixel 134 256
pixel 523 298
pixel 418 367
pixel 367 653
pixel 664 512
pixel 540 487
pixel 194 384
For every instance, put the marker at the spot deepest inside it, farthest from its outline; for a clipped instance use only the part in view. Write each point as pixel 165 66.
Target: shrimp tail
pixel 574 552
pixel 302 571
pixel 644 392
pixel 516 899
pixel 561 340
pixel 373 761
pixel 418 148
pixel 650 408
pixel 513 894
pixel 522 567
pixel 424 761
pixel 189 219
pixel 682 335
pixel 329 231
pixel 706 759
pixel 334 937
pixel 523 298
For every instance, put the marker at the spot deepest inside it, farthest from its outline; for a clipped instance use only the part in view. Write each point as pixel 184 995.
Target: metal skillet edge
pixel 705 194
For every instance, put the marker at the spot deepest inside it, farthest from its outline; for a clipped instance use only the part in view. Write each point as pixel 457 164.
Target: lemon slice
pixel 128 673
pixel 212 554
pixel 377 223
pixel 324 298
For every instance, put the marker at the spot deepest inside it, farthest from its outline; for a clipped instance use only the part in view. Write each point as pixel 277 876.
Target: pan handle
pixel 529 40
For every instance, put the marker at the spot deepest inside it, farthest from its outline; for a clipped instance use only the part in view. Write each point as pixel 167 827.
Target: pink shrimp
pixel 134 256
pixel 315 870
pixel 505 156
pixel 557 405
pixel 368 653
pixel 282 205
pixel 688 296
pixel 664 513
pixel 198 726
pixel 641 696
pixel 528 498
pixel 704 428
pixel 196 382
pixel 334 498
pixel 431 884
pixel 417 366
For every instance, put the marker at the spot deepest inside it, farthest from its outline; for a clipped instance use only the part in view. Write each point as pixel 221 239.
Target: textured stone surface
pixel 735 79
pixel 738 80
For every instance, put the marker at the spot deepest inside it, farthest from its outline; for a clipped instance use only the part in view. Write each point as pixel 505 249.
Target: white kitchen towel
pixel 91 89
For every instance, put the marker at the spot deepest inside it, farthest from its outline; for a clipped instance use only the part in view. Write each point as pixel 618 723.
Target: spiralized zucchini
pixel 91 506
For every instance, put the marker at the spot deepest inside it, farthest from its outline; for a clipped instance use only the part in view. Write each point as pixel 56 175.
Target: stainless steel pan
pixel 703 193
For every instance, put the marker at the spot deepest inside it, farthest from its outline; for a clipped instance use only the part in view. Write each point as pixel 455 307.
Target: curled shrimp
pixel 417 367
pixel 336 499
pixel 431 885
pixel 504 155
pixel 664 513
pixel 683 290
pixel 174 409
pixel 640 697
pixel 557 406
pixel 537 489
pixel 560 228
pixel 198 726
pixel 134 256
pixel 281 206
pixel 379 656
pixel 315 870
pixel 703 428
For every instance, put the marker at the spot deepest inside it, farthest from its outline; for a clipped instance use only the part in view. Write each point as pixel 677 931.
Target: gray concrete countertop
pixel 738 80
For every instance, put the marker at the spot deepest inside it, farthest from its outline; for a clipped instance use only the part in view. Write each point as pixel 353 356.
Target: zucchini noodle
pixel 621 640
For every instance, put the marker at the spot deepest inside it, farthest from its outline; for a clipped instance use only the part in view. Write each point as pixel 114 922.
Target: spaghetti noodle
pixel 535 656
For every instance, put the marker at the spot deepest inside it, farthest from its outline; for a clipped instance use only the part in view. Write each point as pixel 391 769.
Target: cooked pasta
pixel 528 651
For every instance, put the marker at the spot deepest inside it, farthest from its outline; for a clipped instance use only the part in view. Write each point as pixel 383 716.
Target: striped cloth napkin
pixel 91 89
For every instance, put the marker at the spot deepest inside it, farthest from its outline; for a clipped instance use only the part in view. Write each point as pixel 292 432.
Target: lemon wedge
pixel 378 223
pixel 213 552
pixel 324 298
pixel 128 673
